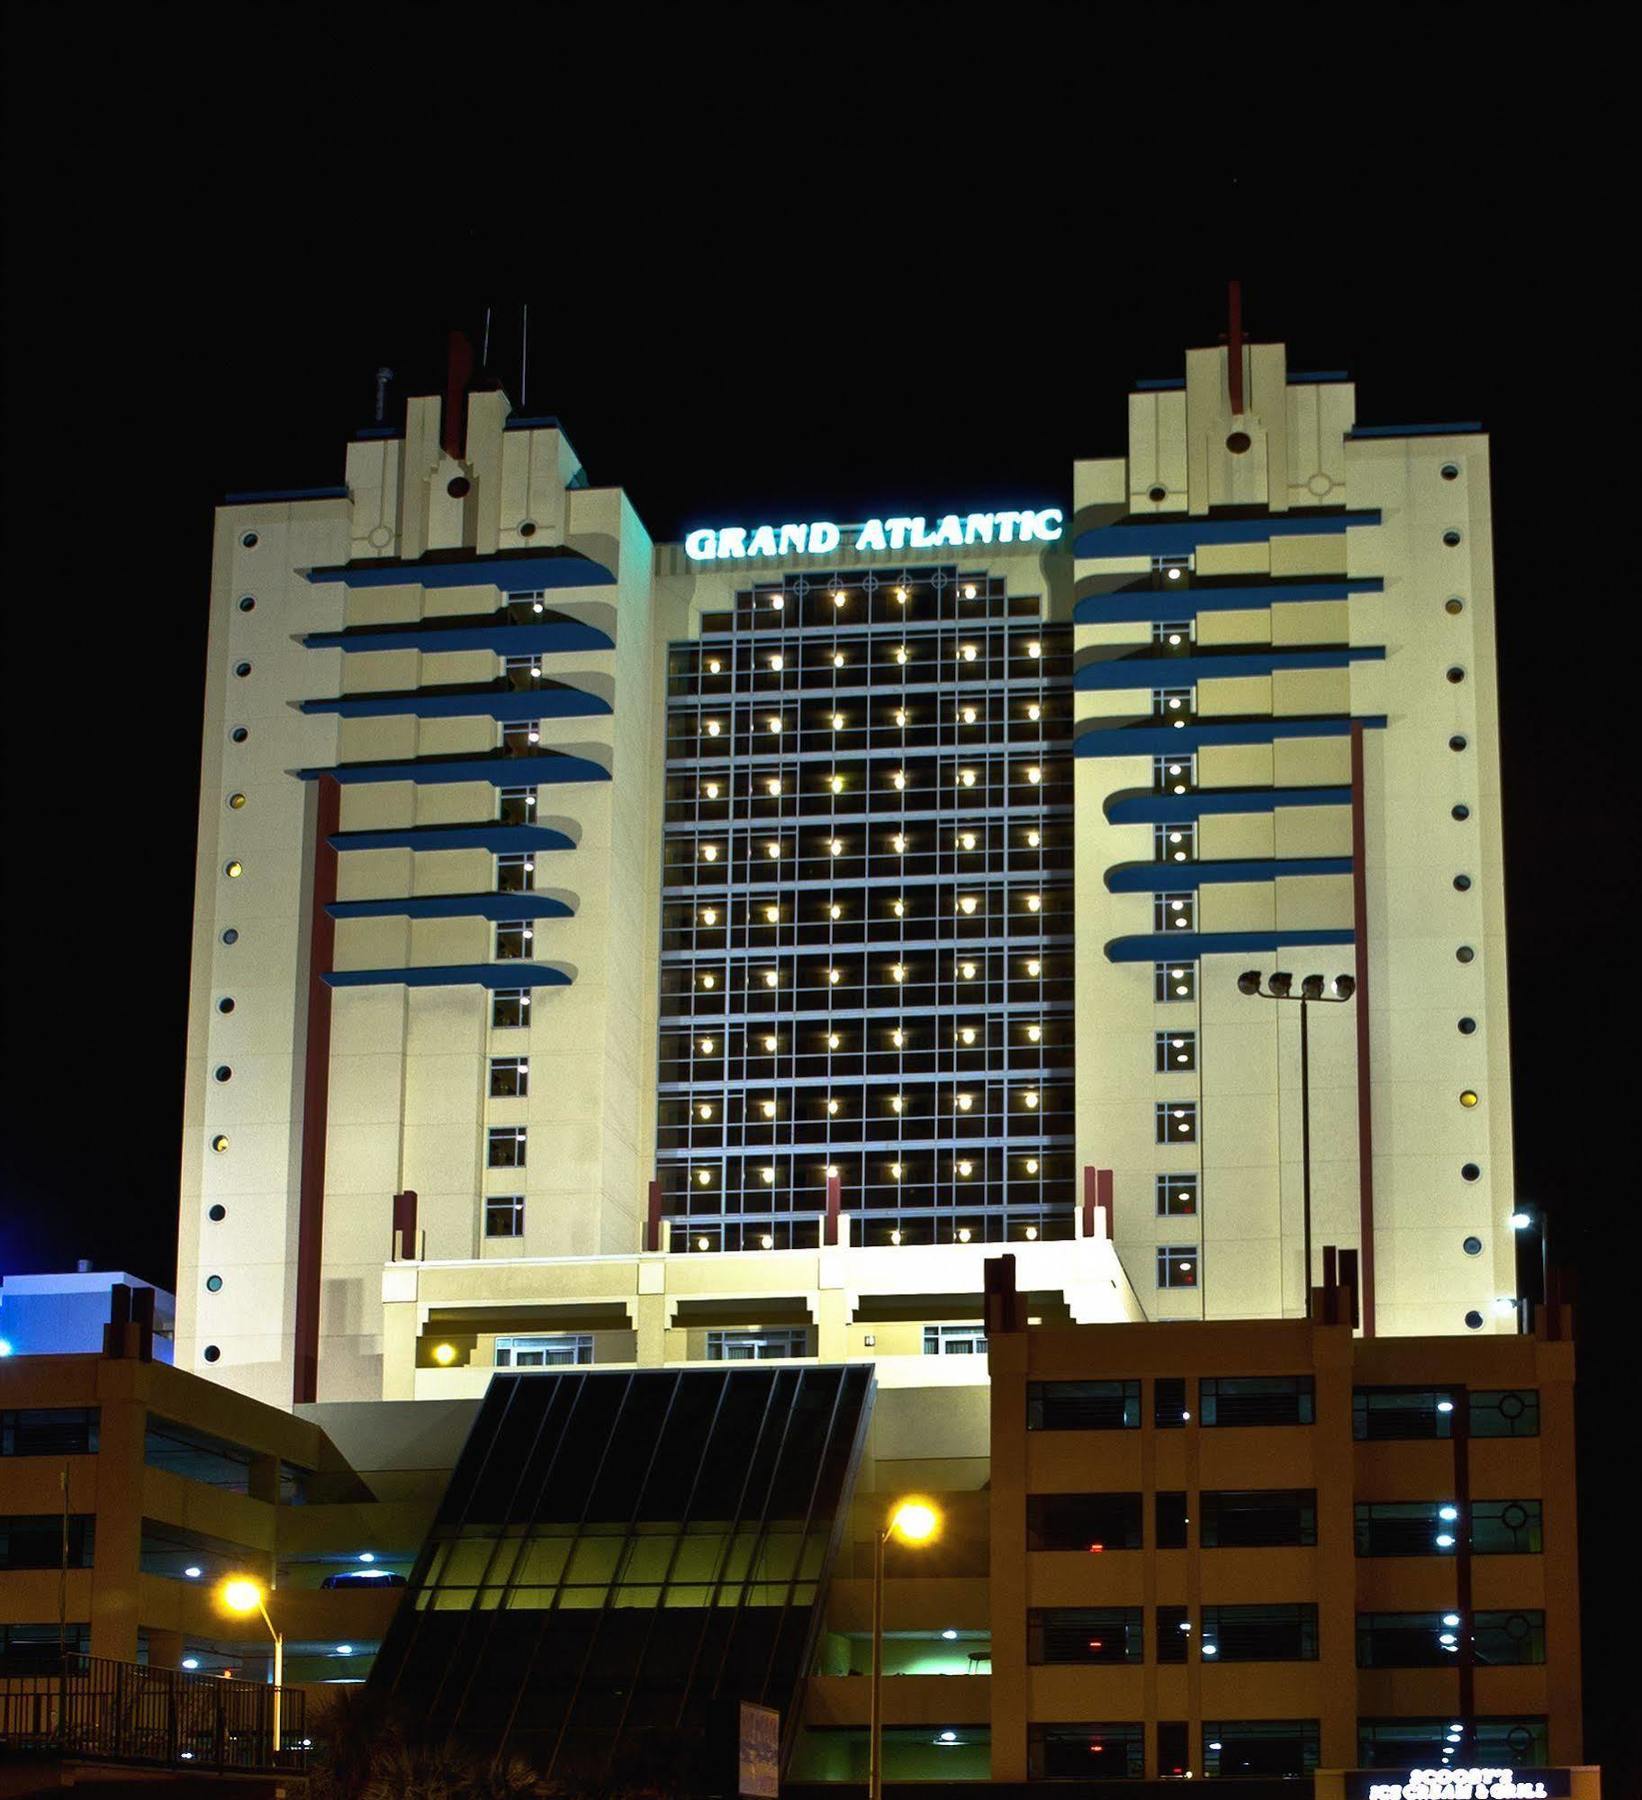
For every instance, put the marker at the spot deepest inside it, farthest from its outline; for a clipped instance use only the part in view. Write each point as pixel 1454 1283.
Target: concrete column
pixel 116 1578
pixel 399 1350
pixel 1007 1355
pixel 165 1649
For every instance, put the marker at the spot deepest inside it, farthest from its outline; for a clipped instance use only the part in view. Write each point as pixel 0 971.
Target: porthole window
pixel 1462 883
pixel 230 936
pixel 213 1284
pixel 1450 471
pixel 226 1004
pixel 236 801
pixel 239 734
pixel 247 604
pixel 1157 494
pixel 1468 1097
pixel 1465 954
pixel 1470 1172
pixel 248 541
pixel 219 1143
pixel 1456 742
pixel 1450 538
pixel 1462 811
pixel 212 1353
pixel 217 1213
pixel 1472 1246
pixel 1467 1026
pixel 233 870
pixel 242 669
pixel 1238 442
pixel 528 528
pixel 1473 1320
pixel 1456 675
pixel 458 487
pixel 223 1072
pixel 1454 606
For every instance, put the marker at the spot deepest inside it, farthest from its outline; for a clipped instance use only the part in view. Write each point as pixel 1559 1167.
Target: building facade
pixel 573 908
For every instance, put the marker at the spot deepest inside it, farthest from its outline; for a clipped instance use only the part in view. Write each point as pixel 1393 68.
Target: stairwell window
pixel 1174 912
pixel 1176 1121
pixel 517 806
pixel 504 1216
pixel 1174 843
pixel 1172 705
pixel 1174 983
pixel 513 941
pixel 505 1147
pixel 521 737
pixel 1174 774
pixel 522 671
pixel 514 873
pixel 1175 1052
pixel 1172 637
pixel 1177 1265
pixel 509 1077
pixel 509 1007
pixel 1176 1196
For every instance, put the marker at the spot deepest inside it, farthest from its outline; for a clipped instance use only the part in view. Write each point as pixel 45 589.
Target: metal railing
pixel 119 1712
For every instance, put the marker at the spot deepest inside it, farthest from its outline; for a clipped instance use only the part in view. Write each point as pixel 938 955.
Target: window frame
pixel 519 1066
pixel 497 1136
pixel 1184 1261
pixel 514 1215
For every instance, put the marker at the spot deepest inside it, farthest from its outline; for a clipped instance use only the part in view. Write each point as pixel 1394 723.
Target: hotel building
pixel 587 928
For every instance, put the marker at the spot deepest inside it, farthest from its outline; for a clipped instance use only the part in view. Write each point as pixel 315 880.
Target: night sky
pixel 779 262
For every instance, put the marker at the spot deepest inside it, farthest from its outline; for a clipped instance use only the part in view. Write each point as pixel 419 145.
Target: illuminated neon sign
pixel 1457 1784
pixel 820 537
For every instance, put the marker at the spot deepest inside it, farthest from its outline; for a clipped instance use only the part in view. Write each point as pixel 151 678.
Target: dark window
pixel 1385 1413
pixel 1083 1406
pixel 513 940
pixel 1511 1412
pixel 1173 1746
pixel 1501 1639
pixel 1256 1517
pixel 1260 1633
pixel 49 1431
pixel 1506 1528
pixel 176 1554
pixel 1174 1633
pixel 1259 1746
pixel 1088 1522
pixel 1171 1520
pixel 1169 1410
pixel 34 1649
pixel 1256 1400
pixel 196 1455
pixel 1407 1528
pixel 35 1540
pixel 1103 1752
pixel 1174 983
pixel 514 872
pixel 516 806
pixel 504 1215
pixel 510 1006
pixel 1415 1640
pixel 521 737
pixel 1519 1742
pixel 505 1147
pixel 1073 1634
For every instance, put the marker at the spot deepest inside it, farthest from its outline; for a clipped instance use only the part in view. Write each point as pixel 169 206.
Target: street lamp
pixel 915 1522
pixel 1280 986
pixel 240 1594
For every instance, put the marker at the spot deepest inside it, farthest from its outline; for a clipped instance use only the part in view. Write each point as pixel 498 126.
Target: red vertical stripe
pixel 316 1092
pixel 1365 1093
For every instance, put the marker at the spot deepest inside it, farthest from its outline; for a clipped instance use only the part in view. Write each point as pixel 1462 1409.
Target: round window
pixel 1462 811
pixel 242 669
pixel 1473 1320
pixel 1514 1516
pixel 211 1353
pixel 248 541
pixel 1463 883
pixel 1467 1026
pixel 1472 1246
pixel 527 528
pixel 233 870
pixel 1465 954
pixel 1157 494
pixel 1454 607
pixel 1468 1097
pixel 217 1213
pixel 1511 1407
pixel 1450 538
pixel 458 487
pixel 226 1004
pixel 1470 1172
pixel 213 1284
pixel 230 936
pixel 1450 471
pixel 1456 675
pixel 236 801
pixel 1238 442
pixel 222 1072
pixel 219 1143
pixel 247 604
pixel 239 734
pixel 1456 742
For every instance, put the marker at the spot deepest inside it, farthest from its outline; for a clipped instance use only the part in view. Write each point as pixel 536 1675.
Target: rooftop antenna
pixel 484 350
pixel 383 377
pixel 524 360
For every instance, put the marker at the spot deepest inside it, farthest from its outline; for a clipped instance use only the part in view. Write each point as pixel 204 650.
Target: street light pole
pixel 914 1522
pixel 279 1670
pixel 1280 986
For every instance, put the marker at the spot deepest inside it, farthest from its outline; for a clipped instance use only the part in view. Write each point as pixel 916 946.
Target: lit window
pixel 1176 1196
pixel 509 1007
pixel 514 872
pixel 1174 774
pixel 516 805
pixel 1177 1265
pixel 954 1340
pixel 509 1077
pixel 521 737
pixel 504 1215
pixel 505 1147
pixel 560 1351
pixel 521 671
pixel 1174 982
pixel 1172 704
pixel 1171 571
pixel 1173 638
pixel 1176 1052
pixel 1174 843
pixel 1174 912
pixel 513 939
pixel 757 1345
pixel 1176 1121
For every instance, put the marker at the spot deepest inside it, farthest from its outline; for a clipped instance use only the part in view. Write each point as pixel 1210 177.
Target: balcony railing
pixel 92 1708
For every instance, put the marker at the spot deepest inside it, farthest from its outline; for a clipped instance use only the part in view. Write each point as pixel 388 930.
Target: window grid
pixel 504 1215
